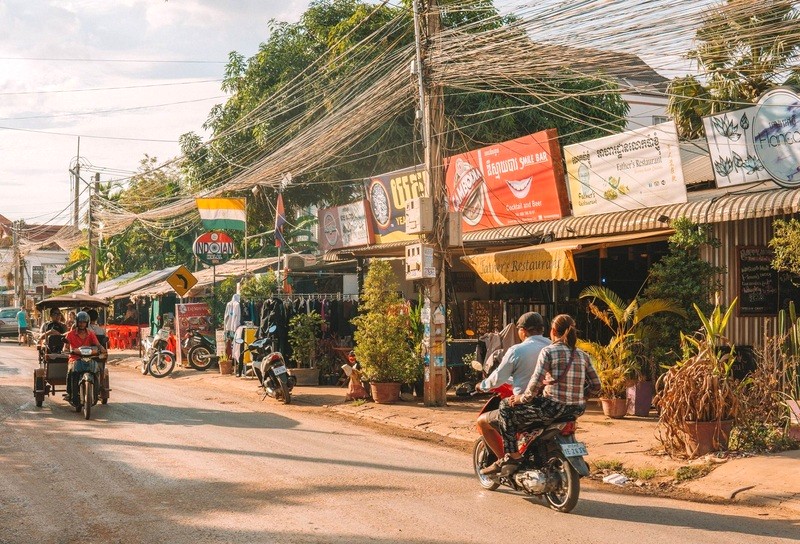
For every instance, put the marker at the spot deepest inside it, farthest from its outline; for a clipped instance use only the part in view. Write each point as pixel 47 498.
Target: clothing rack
pixel 314 296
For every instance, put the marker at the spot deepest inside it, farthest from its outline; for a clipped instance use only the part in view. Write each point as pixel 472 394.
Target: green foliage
pixel 743 49
pixel 613 363
pixel 223 292
pixel 785 243
pixel 303 332
pixel 381 334
pixel 685 278
pixel 692 472
pixel 259 287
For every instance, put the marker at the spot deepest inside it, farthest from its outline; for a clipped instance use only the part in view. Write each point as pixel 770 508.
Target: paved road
pixel 178 461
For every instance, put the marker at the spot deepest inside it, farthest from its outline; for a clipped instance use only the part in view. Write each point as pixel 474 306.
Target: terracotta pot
pixel 305 376
pixel 225 366
pixel 702 437
pixel 640 398
pixel 614 408
pixel 385 392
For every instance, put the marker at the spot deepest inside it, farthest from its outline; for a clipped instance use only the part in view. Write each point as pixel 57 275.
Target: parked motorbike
pixel 87 380
pixel 270 369
pixel 552 460
pixel 157 359
pixel 200 349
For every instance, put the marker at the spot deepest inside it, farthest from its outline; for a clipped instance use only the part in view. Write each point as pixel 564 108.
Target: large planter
pixel 305 376
pixel 702 437
pixel 640 398
pixel 225 366
pixel 385 392
pixel 614 408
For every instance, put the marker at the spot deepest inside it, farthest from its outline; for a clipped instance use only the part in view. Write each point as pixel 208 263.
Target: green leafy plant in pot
pixel 698 397
pixel 303 332
pixel 381 334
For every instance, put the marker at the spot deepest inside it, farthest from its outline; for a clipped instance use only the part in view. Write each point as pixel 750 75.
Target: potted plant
pixel 303 332
pixel 698 397
pixel 617 361
pixel 381 335
pixel 789 326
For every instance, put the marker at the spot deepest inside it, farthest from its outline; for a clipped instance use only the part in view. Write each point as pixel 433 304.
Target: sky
pixel 160 61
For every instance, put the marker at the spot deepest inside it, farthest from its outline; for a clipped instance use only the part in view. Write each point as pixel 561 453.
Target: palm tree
pixel 744 48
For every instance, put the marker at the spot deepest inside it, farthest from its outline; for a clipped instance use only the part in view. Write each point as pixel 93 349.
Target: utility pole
pixel 91 277
pixel 77 185
pixel 19 265
pixel 427 25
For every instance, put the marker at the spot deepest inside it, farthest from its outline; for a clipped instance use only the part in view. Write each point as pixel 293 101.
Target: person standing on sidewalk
pixel 22 327
pixel 517 366
pixel 561 375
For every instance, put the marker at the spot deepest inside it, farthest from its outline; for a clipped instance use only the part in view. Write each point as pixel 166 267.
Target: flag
pixel 222 213
pixel 280 220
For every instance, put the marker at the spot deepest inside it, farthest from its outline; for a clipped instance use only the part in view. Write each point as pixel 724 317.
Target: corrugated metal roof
pixel 118 291
pixel 712 206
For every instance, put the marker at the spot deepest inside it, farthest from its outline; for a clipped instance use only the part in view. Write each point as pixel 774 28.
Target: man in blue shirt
pixel 516 367
pixel 22 324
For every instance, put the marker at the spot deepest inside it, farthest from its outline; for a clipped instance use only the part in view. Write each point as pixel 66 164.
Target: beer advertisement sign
pixel 632 170
pixel 387 195
pixel 518 181
pixel 345 226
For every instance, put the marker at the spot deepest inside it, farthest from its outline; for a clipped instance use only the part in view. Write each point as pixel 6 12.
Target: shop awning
pixel 547 262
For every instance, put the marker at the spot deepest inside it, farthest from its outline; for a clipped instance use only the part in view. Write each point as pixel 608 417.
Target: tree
pixel 745 47
pixel 786 244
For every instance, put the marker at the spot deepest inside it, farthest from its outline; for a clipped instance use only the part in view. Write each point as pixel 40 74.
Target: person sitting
pixel 130 317
pixel 517 366
pixel 98 331
pixel 560 375
pixel 70 321
pixel 77 338
pixel 356 389
pixel 53 331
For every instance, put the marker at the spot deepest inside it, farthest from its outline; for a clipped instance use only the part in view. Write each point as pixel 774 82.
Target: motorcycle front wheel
pixel 565 496
pixel 161 364
pixel 482 457
pixel 200 357
pixel 87 396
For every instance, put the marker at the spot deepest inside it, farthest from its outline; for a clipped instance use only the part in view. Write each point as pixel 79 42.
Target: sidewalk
pixel 629 445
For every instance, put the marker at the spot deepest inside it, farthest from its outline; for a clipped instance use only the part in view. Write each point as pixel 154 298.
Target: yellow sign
pixel 529 265
pixel 182 281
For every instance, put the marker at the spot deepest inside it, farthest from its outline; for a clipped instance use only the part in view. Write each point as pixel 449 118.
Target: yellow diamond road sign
pixel 182 281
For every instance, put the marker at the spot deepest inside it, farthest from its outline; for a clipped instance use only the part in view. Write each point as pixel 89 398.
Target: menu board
pixel 758 281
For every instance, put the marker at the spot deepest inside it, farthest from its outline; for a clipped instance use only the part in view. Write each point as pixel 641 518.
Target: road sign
pixel 182 281
pixel 214 248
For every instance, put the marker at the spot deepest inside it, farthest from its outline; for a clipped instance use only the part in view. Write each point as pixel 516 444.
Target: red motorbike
pixel 552 460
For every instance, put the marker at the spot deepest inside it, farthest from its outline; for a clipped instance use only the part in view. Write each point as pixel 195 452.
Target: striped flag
pixel 280 220
pixel 222 213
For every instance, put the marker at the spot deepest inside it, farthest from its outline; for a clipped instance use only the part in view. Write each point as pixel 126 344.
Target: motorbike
pixel 87 380
pixel 157 359
pixel 200 349
pixel 270 369
pixel 552 460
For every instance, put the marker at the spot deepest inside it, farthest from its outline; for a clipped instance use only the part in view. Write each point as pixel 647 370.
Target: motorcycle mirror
pixel 272 329
pixel 238 340
pixel 476 365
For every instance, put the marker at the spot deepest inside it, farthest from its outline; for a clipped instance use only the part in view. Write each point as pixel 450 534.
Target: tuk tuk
pixel 51 376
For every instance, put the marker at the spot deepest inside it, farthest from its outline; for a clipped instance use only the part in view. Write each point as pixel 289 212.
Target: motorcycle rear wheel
pixel 565 497
pixel 200 357
pixel 87 397
pixel 145 366
pixel 286 396
pixel 161 364
pixel 482 457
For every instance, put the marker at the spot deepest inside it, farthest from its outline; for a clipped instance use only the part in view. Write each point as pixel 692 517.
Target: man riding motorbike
pixel 79 337
pixel 561 373
pixel 517 365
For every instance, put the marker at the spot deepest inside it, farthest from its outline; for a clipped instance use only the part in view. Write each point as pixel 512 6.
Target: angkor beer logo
pixel 379 202
pixel 776 136
pixel 330 229
pixel 469 190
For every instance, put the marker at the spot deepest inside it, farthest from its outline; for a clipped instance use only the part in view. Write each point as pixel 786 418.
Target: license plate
pixel 574 450
pixel 278 370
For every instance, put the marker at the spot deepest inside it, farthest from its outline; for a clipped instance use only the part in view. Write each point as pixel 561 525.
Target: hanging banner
pixel 518 181
pixel 387 195
pixel 345 226
pixel 526 265
pixel 632 170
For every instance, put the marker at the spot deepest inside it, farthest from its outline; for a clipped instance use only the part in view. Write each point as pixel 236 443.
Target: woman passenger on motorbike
pixel 556 390
pixel 80 337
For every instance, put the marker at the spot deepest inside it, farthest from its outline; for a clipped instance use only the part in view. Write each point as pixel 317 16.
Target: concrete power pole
pixel 434 313
pixel 77 173
pixel 91 277
pixel 19 266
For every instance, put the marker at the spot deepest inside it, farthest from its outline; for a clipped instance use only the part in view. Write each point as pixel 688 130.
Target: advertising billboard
pixel 730 144
pixel 518 181
pixel 345 226
pixel 632 170
pixel 387 195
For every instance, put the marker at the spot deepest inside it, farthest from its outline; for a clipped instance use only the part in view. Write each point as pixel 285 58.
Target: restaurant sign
pixel 518 181
pixel 214 248
pixel 632 170
pixel 345 226
pixel 387 195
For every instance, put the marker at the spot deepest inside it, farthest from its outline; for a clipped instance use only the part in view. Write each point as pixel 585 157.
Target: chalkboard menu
pixel 758 281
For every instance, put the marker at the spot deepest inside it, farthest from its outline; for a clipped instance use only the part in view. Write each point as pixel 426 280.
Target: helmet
pixel 82 316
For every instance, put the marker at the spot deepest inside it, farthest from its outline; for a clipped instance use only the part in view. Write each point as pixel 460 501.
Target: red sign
pixel 214 248
pixel 518 181
pixel 195 315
